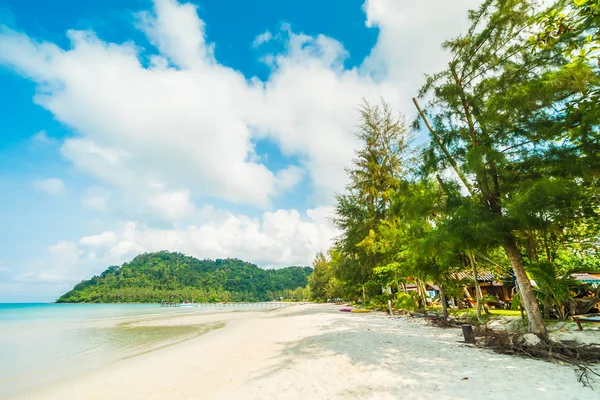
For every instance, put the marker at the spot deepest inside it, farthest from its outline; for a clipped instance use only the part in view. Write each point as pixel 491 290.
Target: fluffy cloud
pixel 410 37
pixel 103 239
pixel 51 186
pixel 276 239
pixel 187 120
pixel 279 238
pixel 165 131
pixel 262 38
pixel 57 265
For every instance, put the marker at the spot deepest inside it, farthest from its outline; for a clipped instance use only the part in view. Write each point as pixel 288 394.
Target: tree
pixel 374 178
pixel 320 278
pixel 498 112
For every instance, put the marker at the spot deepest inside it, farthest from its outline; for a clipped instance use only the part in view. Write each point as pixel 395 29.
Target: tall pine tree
pixel 500 119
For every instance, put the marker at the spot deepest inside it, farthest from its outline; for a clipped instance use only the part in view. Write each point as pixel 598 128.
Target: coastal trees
pixel 512 166
pixel 174 277
pixel 500 119
pixel 320 278
pixel 375 176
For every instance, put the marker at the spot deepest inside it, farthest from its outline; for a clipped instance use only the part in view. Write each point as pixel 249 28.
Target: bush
pixel 406 301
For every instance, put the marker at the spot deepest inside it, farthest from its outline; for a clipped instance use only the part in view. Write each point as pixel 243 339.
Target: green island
pixel 174 277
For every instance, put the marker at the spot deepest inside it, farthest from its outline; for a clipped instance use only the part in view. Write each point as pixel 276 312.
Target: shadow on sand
pixel 372 346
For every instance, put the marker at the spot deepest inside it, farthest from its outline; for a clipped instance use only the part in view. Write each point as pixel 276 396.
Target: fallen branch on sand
pixel 440 322
pixel 581 356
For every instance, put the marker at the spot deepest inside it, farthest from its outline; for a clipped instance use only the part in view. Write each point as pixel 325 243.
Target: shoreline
pixel 314 351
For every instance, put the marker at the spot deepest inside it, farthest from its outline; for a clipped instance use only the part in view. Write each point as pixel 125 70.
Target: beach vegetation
pixel 507 182
pixel 173 277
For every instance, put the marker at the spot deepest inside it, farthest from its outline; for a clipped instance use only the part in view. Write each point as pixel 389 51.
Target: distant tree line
pixel 175 277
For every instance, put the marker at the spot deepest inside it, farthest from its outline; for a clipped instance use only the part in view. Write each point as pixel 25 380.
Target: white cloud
pixel 163 136
pixel 58 265
pixel 178 33
pixel 276 239
pixel 289 177
pixel 42 138
pixel 65 254
pixel 51 186
pixel 172 205
pixel 264 37
pixel 190 121
pixel 103 239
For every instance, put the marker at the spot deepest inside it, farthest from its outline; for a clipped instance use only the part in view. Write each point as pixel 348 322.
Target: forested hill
pixel 167 276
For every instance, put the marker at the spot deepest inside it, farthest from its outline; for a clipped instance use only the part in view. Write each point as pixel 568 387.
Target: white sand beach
pixel 315 352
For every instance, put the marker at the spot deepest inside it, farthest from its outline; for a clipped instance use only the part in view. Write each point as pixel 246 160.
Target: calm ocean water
pixel 42 343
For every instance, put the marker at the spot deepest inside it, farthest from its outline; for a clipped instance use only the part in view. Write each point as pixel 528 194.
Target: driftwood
pixel 580 356
pixel 440 322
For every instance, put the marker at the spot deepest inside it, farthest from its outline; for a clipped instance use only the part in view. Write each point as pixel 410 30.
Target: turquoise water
pixel 42 343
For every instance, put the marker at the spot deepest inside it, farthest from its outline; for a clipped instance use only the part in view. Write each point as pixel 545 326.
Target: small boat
pixel 346 309
pixel 188 305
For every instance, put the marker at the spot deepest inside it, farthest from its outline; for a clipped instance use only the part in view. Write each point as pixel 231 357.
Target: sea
pixel 43 343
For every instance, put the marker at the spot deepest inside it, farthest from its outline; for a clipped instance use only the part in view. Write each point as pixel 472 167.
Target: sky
pixel 214 128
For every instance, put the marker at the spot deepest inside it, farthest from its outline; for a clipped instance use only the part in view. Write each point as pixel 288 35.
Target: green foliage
pixel 165 276
pixel 508 115
pixel 554 291
pixel 320 278
pixel 374 181
pixel 406 301
pixel 509 178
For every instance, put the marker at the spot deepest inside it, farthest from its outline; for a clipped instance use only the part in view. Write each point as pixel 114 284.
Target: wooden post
pixel 468 334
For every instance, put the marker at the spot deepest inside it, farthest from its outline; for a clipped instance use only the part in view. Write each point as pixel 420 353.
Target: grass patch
pixel 471 312
pixel 506 313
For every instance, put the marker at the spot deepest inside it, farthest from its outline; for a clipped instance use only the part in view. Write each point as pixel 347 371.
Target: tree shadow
pixel 409 360
pixel 365 347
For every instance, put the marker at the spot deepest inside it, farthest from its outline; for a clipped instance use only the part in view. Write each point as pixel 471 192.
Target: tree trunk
pixel 468 295
pixel 546 248
pixel 419 299
pixel 423 292
pixel 478 294
pixel 444 302
pixel 440 142
pixel 534 316
pixel 422 302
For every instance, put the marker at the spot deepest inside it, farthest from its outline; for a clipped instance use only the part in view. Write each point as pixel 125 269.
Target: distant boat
pixel 188 304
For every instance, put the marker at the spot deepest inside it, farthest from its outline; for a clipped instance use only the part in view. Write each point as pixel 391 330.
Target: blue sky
pixel 216 128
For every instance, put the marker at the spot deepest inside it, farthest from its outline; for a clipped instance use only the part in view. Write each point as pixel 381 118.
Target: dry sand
pixel 315 352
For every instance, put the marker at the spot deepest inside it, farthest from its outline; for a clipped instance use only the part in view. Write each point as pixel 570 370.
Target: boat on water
pixel 188 305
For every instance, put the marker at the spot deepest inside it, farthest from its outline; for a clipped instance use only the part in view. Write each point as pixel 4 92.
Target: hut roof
pixel 483 276
pixel 586 277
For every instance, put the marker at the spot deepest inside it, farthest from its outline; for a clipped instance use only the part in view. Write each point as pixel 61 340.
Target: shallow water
pixel 41 343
